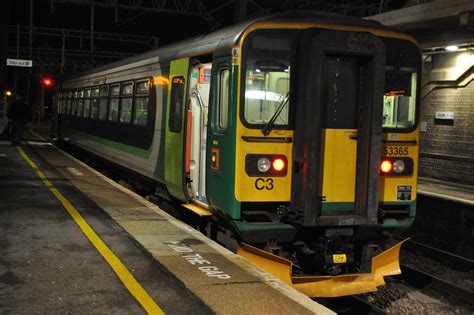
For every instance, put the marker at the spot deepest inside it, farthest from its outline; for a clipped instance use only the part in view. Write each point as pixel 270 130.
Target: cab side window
pixel 223 99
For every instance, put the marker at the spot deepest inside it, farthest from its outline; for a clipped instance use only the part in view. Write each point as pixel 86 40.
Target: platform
pixel 72 240
pixel 446 190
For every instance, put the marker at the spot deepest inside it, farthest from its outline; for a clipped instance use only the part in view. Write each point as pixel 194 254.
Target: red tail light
pixel 278 165
pixel 386 166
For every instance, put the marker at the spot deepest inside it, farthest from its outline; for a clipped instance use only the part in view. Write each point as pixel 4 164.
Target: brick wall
pixel 447 147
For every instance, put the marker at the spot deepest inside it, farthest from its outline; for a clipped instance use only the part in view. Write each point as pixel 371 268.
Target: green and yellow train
pixel 294 137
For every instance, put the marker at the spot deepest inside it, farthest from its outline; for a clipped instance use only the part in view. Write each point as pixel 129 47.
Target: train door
pixel 220 165
pixel 199 88
pixel 175 132
pixel 339 95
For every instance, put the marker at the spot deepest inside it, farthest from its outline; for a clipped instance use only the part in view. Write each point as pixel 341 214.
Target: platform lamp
pixel 6 96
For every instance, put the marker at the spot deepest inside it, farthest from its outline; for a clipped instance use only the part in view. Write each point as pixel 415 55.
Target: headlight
pixel 263 164
pixel 398 166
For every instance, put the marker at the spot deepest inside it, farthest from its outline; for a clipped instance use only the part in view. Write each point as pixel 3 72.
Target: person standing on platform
pixel 18 113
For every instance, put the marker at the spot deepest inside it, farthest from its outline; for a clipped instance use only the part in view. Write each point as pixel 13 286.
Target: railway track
pixel 351 305
pixel 432 281
pixel 455 261
pixel 425 281
pixel 422 279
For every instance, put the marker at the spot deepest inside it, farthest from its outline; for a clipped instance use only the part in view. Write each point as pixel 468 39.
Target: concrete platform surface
pixel 47 265
pixel 181 269
pixel 446 190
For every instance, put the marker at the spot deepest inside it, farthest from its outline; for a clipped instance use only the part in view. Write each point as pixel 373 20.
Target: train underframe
pixel 323 261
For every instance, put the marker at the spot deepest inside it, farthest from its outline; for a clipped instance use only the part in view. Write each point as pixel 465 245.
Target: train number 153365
pixel 395 150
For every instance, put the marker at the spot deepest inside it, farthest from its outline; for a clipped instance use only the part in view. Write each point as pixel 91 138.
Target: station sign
pixel 444 115
pixel 19 63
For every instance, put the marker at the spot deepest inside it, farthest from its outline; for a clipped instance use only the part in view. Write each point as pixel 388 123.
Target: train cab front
pixel 329 147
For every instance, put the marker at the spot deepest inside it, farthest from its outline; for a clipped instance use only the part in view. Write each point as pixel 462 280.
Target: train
pixel 293 137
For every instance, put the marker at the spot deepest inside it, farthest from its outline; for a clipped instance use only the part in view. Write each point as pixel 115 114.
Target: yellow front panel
pixel 407 146
pixel 339 165
pixel 270 188
pixel 340 177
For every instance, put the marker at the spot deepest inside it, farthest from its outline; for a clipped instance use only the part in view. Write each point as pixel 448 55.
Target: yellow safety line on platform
pixel 122 272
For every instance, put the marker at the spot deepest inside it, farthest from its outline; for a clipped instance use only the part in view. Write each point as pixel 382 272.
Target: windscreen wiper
pixel 271 123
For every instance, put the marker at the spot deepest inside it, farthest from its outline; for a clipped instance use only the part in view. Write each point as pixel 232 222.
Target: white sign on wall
pixel 20 63
pixel 444 115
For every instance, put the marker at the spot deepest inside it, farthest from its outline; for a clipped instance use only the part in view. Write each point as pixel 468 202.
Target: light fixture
pixel 448 49
pixel 452 48
pixel 398 166
pixel 278 164
pixel 263 164
pixel 8 93
pixel 386 166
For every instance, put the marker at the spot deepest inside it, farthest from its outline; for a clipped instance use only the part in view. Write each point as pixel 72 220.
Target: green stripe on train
pixel 142 153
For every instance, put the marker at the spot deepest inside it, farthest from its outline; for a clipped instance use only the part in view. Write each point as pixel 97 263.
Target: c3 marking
pixel 262 183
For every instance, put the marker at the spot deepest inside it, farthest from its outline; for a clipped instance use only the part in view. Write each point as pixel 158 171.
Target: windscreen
pixel 267 56
pixel 401 82
pixel 399 103
pixel 267 76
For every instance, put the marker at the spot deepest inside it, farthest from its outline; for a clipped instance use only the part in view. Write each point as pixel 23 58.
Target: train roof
pixel 229 36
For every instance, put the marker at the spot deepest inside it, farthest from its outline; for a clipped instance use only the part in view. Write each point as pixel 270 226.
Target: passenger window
pixel 103 108
pixel 141 111
pixel 142 87
pixel 104 91
pixel 104 101
pixel 115 90
pixel 94 108
pixel 68 103
pixel 74 104
pixel 176 104
pixel 87 108
pixel 95 92
pixel 63 104
pixel 114 102
pixel 87 103
pixel 114 106
pixel 142 93
pixel 80 103
pixel 223 97
pixel 58 104
pixel 95 103
pixel 127 89
pixel 126 110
